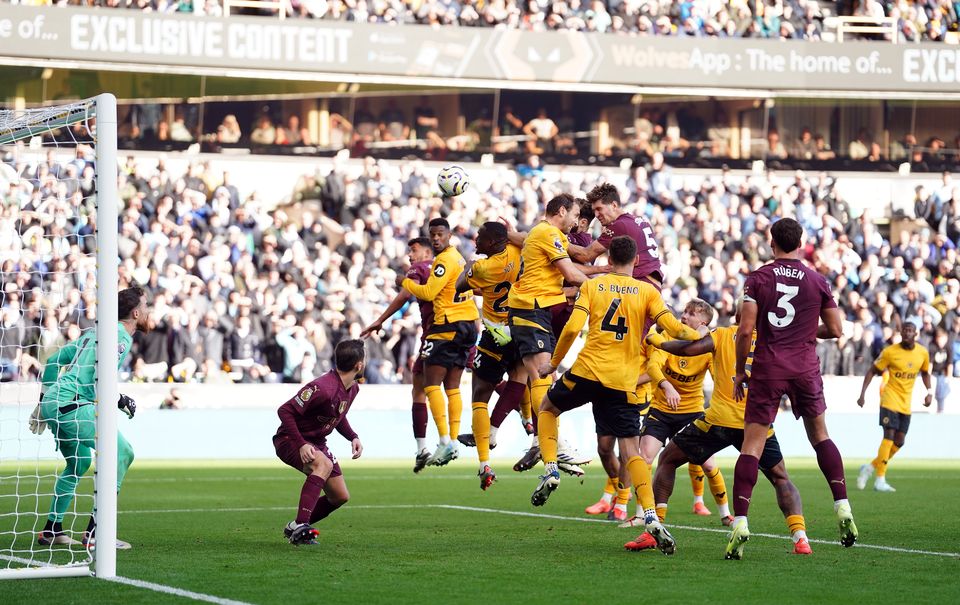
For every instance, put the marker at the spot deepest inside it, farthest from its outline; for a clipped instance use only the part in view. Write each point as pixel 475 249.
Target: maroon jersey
pixel 316 410
pixel 790 297
pixel 580 239
pixel 639 230
pixel 420 272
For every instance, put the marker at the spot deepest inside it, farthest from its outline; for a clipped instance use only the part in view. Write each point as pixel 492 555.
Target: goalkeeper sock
pixel 309 495
pixel 455 409
pixel 438 407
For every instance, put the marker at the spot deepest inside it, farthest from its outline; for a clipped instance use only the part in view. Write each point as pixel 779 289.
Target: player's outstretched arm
pixel 685 348
pixel 570 271
pixel 395 305
pixel 662 316
pixel 590 270
pixel 586 254
pixel 430 290
pixel 748 322
pixel 832 326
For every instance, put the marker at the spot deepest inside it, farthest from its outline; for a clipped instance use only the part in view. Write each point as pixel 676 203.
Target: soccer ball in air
pixel 453 181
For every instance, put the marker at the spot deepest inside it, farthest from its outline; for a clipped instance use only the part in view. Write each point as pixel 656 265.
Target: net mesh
pixel 47 299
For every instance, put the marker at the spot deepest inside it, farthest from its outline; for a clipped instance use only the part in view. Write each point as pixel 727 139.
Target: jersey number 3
pixel 783 302
pixel 607 325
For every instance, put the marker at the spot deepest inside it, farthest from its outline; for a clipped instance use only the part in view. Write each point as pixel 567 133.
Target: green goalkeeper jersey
pixel 71 373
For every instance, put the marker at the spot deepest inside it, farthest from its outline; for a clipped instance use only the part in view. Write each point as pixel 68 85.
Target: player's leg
pixel 697 478
pixel 831 465
pixel 510 400
pixel 420 417
pixel 480 421
pixel 566 394
pixel 335 495
pixel 718 488
pixel 878 465
pixel 788 499
pixel 665 477
pixel 611 466
pixel 77 457
pixel 451 386
pixel 433 378
pixel 898 438
pixel 528 415
pixel 744 480
pixel 547 412
pixel 125 458
pixel 643 487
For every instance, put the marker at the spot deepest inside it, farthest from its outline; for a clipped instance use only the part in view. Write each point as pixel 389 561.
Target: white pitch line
pixel 188 594
pixel 517 513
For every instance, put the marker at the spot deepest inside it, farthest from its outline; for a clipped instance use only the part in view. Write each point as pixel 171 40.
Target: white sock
pixel 493 436
pixel 797 535
pixel 608 498
pixel 445 440
pixel 527 420
pixel 650 515
pixel 550 467
pixel 484 463
pixel 534 442
pixel 421 444
pixel 698 499
pixel 838 503
pixel 724 509
pixel 736 520
pixel 622 507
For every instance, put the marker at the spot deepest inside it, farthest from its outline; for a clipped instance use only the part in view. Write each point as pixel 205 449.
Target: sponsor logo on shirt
pixel 304 396
pixel 439 271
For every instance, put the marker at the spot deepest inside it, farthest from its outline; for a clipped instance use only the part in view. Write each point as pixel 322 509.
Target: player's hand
pixel 656 339
pixel 376 327
pixel 673 397
pixel 860 401
pixel 37 424
pixel 547 370
pixel 307 453
pixel 927 400
pixel 740 386
pixel 357 448
pixel 703 331
pixel 127 405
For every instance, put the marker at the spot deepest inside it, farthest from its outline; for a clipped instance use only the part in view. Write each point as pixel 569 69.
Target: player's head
pixel 623 253
pixel 491 238
pixel 786 235
pixel 605 201
pixel 586 216
pixel 439 234
pixel 132 306
pixel 349 356
pixel 420 250
pixel 908 331
pixel 697 313
pixel 563 212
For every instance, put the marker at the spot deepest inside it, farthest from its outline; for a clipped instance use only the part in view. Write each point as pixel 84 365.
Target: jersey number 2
pixel 607 325
pixel 784 303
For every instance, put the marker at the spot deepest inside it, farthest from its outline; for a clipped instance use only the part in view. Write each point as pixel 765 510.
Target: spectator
pixel 541 131
pixel 229 130
pixel 293 133
pixel 427 125
pixel 393 124
pixel 264 132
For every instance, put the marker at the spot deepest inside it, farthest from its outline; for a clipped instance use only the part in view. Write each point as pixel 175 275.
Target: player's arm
pixel 832 326
pixel 925 376
pixel 668 323
pixel 586 254
pixel 51 370
pixel 685 348
pixel 748 321
pixel 570 271
pixel 288 420
pixel 395 305
pixel 655 363
pixel 590 270
pixel 875 369
pixel 430 290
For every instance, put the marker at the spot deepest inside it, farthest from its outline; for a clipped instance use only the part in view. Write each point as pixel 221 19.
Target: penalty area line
pixel 180 592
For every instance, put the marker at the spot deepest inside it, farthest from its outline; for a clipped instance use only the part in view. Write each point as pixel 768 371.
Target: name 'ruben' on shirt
pixel 789 272
pixel 617 289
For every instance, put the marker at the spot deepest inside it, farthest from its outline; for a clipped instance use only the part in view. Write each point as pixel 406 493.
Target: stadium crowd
pixel 242 290
pixel 917 20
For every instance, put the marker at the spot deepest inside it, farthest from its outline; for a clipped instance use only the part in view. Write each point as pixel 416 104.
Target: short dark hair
pixel 703 308
pixel 787 233
pixel 128 300
pixel 439 222
pixel 348 354
pixel 564 200
pixel 586 210
pixel 495 230
pixel 605 192
pixel 623 250
pixel 423 242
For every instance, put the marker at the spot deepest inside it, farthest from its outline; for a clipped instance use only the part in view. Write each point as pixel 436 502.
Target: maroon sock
pixel 500 387
pixel 309 495
pixel 744 479
pixel 322 509
pixel 419 420
pixel 509 400
pixel 831 465
pixel 536 425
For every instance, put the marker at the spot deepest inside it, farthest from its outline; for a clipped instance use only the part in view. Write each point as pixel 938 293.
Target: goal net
pixel 58 284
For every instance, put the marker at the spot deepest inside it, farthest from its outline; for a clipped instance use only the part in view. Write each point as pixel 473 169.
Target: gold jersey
pixel 494 276
pixel 617 307
pixel 541 285
pixel 724 408
pixel 686 374
pixel 441 289
pixel 903 365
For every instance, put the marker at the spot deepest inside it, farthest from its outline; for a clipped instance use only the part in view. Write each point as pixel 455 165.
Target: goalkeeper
pixel 67 407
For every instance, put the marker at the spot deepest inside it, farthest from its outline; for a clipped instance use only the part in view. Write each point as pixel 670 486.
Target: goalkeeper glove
pixel 127 405
pixel 500 332
pixel 37 424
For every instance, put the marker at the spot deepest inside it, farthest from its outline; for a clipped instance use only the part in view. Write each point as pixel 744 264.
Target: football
pixel 453 181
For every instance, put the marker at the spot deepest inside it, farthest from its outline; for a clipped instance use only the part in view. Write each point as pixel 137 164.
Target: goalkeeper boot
pixel 529 460
pixel 571 469
pixel 467 439
pixel 739 535
pixel 90 541
pixel 549 482
pixel 642 542
pixel 866 471
pixel 601 507
pixel 421 461
pixel 570 455
pixel 487 477
pixel 301 534
pixel 848 529
pixel 50 538
pixel 664 540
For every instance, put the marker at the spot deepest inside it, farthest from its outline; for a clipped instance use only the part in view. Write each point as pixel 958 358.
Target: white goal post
pixel 50 141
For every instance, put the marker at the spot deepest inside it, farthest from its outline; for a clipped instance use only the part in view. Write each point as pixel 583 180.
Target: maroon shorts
pixel 290 454
pixel 560 314
pixel 805 393
pixel 418 362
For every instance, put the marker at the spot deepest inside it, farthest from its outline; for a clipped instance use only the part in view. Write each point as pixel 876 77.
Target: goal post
pixel 58 235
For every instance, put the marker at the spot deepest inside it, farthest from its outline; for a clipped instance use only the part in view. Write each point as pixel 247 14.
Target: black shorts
pixel 616 413
pixel 894 420
pixel 492 360
pixel 449 345
pixel 664 425
pixel 532 331
pixel 699 440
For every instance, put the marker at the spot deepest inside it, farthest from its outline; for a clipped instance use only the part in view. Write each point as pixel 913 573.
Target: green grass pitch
pixel 215 528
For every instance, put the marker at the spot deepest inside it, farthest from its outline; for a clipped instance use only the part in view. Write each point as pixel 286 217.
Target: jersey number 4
pixel 607 325
pixel 783 302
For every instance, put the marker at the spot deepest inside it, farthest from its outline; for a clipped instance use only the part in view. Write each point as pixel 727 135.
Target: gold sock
pixel 611 486
pixel 696 479
pixel 883 457
pixel 525 411
pixel 455 409
pixel 795 523
pixel 661 512
pixel 438 409
pixel 642 483
pixel 548 436
pixel 481 430
pixel 717 486
pixel 538 388
pixel 623 494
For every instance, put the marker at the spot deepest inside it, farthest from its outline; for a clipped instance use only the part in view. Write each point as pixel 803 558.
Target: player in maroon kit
pixel 785 301
pixel 306 420
pixel 421 259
